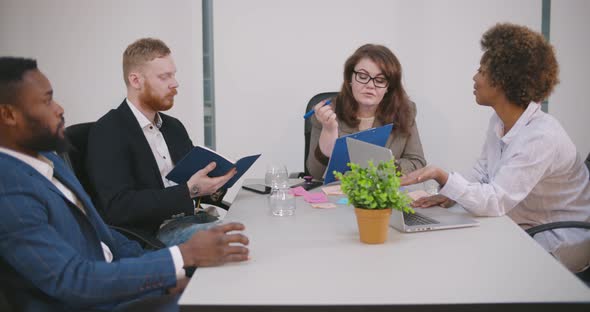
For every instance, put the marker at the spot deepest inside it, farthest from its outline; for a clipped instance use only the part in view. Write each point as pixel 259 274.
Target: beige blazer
pixel 406 148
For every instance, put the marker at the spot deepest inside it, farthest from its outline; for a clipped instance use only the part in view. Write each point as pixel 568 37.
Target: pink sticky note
pixel 415 195
pixel 332 190
pixel 323 205
pixel 298 191
pixel 316 198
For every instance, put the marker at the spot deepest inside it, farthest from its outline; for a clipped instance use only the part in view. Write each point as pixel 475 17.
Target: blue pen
pixel 311 111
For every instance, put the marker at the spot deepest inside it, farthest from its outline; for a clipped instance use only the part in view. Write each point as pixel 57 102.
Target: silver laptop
pixel 425 219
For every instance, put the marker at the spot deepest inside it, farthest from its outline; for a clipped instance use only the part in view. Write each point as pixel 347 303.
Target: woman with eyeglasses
pixel 529 168
pixel 372 95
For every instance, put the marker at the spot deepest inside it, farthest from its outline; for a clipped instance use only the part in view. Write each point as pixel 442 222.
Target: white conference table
pixel 315 261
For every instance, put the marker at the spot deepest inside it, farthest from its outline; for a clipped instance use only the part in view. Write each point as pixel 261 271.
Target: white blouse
pixel 535 176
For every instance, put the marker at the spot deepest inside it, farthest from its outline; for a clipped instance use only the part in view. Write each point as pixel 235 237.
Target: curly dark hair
pixel 521 62
pixel 395 106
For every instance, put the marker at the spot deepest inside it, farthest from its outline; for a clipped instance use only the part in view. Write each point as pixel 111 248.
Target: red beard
pixel 156 103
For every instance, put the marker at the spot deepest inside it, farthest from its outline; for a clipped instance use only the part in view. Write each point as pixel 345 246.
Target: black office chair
pixel 584 275
pixel 307 129
pixel 75 157
pixel 4 304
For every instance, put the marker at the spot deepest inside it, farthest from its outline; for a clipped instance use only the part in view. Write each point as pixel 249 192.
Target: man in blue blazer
pixel 56 253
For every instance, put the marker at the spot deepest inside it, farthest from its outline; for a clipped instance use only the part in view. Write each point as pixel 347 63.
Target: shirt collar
pixel 143 121
pixel 42 164
pixel 523 120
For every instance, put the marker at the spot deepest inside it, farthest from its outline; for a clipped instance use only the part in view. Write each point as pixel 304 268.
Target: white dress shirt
pixel 159 148
pixel 151 131
pixel 535 176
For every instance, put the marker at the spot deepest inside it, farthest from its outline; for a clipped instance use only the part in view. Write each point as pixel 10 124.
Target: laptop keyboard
pixel 417 219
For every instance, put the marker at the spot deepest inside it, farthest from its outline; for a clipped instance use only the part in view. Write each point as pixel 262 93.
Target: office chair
pixel 4 303
pixel 75 157
pixel 584 275
pixel 307 129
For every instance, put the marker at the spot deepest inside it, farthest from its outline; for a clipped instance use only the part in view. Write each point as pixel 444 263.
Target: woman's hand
pixel 327 117
pixel 434 200
pixel 424 174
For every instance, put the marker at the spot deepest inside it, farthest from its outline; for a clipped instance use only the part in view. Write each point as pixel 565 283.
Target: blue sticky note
pixel 342 201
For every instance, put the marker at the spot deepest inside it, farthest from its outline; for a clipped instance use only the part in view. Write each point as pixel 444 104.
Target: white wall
pixel 271 57
pixel 79 46
pixel 451 123
pixel 570 26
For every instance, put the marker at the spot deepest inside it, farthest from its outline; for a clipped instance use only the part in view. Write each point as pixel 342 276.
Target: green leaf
pixel 374 187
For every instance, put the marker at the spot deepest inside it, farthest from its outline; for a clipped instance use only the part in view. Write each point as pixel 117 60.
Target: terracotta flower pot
pixel 373 224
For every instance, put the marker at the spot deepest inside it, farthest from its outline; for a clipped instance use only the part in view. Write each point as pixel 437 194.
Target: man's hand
pixel 200 184
pixel 434 200
pixel 215 246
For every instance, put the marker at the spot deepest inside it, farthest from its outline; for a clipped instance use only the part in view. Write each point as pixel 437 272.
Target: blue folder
pixel 340 158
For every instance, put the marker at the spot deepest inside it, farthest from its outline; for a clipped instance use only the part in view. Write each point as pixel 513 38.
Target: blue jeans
pixel 180 229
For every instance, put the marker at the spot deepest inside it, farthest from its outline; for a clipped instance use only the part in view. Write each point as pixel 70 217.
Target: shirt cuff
pixel 178 262
pixel 455 186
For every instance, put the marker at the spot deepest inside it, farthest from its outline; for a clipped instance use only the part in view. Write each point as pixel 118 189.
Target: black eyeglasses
pixel 364 78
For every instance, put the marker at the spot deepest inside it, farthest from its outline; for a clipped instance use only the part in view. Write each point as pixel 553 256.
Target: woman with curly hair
pixel 372 95
pixel 529 168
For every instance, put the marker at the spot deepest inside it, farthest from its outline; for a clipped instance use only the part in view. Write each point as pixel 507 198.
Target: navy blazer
pixel 51 256
pixel 124 174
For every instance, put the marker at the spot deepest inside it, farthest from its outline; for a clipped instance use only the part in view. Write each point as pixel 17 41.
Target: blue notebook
pixel 199 157
pixel 340 158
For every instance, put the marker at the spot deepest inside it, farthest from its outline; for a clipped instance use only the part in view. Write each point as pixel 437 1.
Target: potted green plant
pixel 374 191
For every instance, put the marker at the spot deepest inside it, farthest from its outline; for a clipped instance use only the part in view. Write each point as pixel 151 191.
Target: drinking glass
pixel 276 176
pixel 282 203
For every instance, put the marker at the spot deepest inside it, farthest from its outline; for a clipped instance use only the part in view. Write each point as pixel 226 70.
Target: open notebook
pixel 201 156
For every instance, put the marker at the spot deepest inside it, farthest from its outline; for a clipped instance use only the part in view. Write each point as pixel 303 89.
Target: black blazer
pixel 124 175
